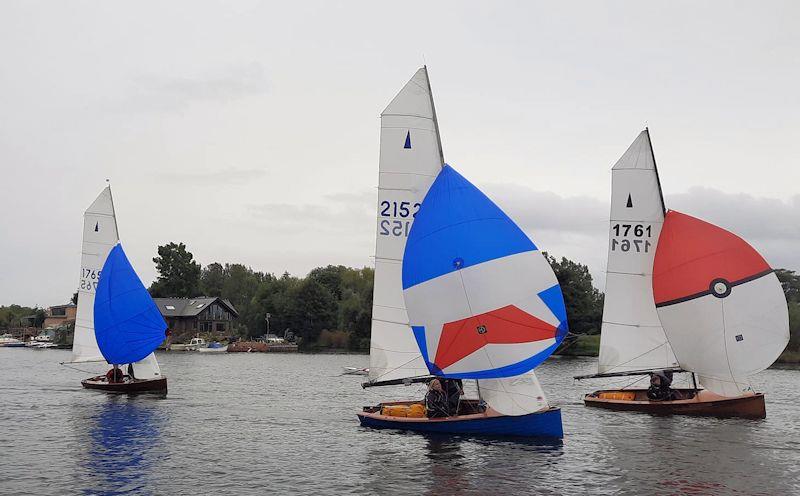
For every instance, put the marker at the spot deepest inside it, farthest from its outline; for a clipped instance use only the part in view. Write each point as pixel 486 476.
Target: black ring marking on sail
pixel 730 286
pixel 720 288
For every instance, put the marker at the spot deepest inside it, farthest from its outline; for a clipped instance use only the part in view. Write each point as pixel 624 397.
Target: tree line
pixel 332 306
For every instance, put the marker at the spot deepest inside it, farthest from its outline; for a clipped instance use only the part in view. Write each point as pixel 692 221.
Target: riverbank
pixel 588 345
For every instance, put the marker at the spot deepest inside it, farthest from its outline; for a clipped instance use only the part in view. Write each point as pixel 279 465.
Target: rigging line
pixel 397 368
pixel 637 356
pixel 76 368
pixel 632 383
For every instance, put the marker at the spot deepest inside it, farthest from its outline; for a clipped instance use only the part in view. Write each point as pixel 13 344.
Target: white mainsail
pixel 631 335
pixel 99 236
pixel 410 159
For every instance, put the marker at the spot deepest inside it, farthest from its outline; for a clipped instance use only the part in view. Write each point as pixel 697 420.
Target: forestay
pixel 410 159
pixel 721 304
pixel 128 324
pixel 482 300
pixel 99 236
pixel 631 336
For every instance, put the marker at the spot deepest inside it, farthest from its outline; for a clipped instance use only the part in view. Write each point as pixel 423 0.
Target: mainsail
pixel 631 336
pixel 721 304
pixel 128 324
pixel 482 300
pixel 410 158
pixel 99 236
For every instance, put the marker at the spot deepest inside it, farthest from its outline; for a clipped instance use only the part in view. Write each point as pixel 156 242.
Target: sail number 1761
pixel 634 231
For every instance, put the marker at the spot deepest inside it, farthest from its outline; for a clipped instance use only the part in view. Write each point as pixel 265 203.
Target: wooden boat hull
pixel 704 403
pixel 544 424
pixel 135 386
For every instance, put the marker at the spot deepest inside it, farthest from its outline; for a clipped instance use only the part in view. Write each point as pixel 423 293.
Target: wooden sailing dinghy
pixel 462 293
pixel 100 240
pixel 683 295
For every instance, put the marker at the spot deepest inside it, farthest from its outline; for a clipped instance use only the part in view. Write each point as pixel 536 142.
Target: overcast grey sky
pixel 249 130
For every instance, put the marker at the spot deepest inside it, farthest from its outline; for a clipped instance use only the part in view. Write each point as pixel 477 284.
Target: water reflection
pixel 123 437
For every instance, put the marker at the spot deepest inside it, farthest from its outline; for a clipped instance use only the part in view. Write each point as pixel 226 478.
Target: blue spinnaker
pixel 127 324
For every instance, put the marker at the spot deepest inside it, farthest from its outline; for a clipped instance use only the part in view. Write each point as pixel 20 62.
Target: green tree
pixel 178 273
pixel 790 281
pixel 583 301
pixel 212 277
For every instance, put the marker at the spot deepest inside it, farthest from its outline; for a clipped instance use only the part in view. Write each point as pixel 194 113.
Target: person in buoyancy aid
pixel 114 375
pixel 436 400
pixel 660 382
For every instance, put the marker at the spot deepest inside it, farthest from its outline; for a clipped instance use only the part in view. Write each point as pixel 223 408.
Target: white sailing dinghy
pixel 511 401
pixel 683 295
pixel 100 236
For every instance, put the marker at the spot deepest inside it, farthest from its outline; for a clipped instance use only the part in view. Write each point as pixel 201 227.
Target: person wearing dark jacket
pixel 453 390
pixel 659 389
pixel 436 400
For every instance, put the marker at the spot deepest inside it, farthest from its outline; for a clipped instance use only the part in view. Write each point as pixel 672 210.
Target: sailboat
pixel 683 295
pixel 102 333
pixel 512 328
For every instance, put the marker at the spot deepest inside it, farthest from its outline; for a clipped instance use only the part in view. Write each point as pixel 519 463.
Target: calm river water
pixel 285 424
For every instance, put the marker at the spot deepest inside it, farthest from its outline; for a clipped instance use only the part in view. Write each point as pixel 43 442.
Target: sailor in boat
pixel 453 390
pixel 114 375
pixel 130 372
pixel 659 390
pixel 436 400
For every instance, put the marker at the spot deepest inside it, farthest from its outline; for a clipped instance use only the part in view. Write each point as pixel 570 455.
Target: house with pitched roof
pixel 196 315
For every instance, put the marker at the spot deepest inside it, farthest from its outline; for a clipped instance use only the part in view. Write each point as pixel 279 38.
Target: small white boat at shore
pixel 213 347
pixel 193 345
pixel 355 371
pixel 9 341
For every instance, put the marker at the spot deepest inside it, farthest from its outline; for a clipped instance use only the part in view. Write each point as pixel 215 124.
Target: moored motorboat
pixel 9 341
pixel 213 347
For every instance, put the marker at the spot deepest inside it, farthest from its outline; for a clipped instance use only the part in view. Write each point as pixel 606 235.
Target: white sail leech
pixel 631 336
pixel 410 159
pixel 518 395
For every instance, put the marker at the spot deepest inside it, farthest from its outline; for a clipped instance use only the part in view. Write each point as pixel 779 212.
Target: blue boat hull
pixel 541 424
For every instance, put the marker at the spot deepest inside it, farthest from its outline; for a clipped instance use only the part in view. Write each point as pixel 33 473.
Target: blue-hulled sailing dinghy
pixel 128 327
pixel 483 304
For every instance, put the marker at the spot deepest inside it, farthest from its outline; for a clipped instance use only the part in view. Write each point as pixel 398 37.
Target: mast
pixel 655 166
pixel 435 119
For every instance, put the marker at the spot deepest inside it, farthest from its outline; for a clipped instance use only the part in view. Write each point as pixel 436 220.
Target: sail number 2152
pixel 402 213
pixel 636 231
